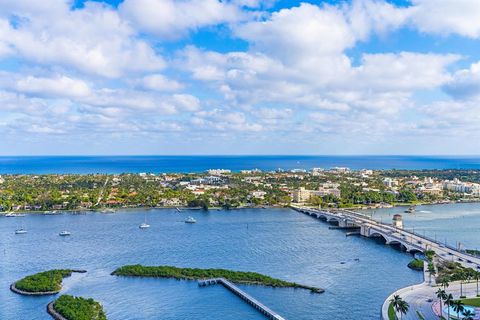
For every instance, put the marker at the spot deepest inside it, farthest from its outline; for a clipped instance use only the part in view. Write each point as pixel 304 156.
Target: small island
pixel 240 277
pixel 416 264
pixel 42 283
pixel 76 308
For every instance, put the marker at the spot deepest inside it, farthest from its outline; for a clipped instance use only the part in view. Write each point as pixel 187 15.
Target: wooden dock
pixel 269 313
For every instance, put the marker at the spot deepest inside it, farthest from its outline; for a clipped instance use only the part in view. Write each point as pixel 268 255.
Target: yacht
pixel 20 231
pixel 64 233
pixel 410 210
pixel 190 220
pixel 144 225
pixel 108 210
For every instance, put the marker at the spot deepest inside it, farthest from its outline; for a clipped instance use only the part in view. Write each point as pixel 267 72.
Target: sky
pixel 239 77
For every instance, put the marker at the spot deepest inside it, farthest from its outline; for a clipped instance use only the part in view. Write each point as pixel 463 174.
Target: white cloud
pixel 465 83
pixel 447 17
pixel 159 82
pixel 60 86
pixel 93 39
pixel 170 19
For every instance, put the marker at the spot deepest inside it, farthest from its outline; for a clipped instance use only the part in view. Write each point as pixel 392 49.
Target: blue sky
pixel 239 77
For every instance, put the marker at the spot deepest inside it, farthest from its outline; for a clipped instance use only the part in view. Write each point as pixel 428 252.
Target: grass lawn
pixel 474 302
pixel 391 312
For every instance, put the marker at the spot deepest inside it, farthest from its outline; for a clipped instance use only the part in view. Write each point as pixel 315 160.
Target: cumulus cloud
pixel 170 19
pixel 94 40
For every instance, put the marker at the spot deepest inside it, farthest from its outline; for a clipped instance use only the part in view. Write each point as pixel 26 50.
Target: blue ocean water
pixel 159 164
pixel 278 242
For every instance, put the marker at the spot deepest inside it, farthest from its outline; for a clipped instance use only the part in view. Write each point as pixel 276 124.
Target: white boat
pixel 144 225
pixel 108 210
pixel 13 215
pixel 64 233
pixel 190 220
pixel 20 231
pixel 178 209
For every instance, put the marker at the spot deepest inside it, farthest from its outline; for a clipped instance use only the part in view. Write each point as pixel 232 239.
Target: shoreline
pixel 14 289
pixel 51 311
pixel 86 211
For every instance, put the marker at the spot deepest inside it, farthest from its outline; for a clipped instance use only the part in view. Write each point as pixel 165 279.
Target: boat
pixel 64 233
pixel 410 210
pixel 20 231
pixel 144 225
pixel 14 215
pixel 190 220
pixel 108 210
pixel 178 209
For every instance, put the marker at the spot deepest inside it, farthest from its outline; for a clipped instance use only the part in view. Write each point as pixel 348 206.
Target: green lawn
pixel 474 302
pixel 391 312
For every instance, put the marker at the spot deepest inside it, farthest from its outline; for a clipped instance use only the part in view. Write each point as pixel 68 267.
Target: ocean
pixel 168 164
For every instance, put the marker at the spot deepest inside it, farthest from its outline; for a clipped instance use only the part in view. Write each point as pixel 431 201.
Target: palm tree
pixel 462 276
pixel 476 275
pixel 403 308
pixel 458 307
pixel 448 302
pixel 442 295
pixel 445 282
pixel 395 301
pixel 468 314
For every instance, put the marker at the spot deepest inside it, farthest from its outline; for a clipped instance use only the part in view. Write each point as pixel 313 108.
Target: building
pixel 304 195
pixel 218 171
pixel 258 194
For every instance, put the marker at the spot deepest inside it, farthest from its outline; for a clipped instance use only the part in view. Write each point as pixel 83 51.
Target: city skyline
pixel 239 77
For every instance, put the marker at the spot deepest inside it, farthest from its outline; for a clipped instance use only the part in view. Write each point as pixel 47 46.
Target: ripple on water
pixel 277 242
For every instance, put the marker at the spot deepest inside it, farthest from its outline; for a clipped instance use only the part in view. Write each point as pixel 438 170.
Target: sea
pixel 168 164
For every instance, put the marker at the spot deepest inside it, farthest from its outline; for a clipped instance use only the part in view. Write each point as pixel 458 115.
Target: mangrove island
pixel 251 278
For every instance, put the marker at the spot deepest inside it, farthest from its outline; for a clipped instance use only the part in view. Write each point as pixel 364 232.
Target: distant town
pixel 220 188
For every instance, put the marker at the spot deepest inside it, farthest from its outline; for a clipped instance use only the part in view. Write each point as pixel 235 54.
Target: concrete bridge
pixel 410 241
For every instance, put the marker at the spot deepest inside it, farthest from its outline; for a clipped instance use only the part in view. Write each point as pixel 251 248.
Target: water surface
pixel 277 242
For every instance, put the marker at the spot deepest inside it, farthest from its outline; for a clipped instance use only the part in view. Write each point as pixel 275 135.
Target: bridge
pixel 410 241
pixel 269 313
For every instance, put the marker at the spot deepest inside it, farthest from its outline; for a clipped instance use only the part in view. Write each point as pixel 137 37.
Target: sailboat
pixel 144 225
pixel 22 230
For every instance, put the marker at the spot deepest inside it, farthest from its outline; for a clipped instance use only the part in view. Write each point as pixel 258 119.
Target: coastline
pixel 14 289
pixel 99 210
pixel 51 311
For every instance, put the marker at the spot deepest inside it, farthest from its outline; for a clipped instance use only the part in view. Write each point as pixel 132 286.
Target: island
pixel 251 278
pixel 42 283
pixel 76 308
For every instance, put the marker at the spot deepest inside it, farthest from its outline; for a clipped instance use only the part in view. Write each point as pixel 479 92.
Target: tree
pixel 448 302
pixel 468 314
pixel 458 307
pixel 399 305
pixel 403 308
pixel 442 295
pixel 445 282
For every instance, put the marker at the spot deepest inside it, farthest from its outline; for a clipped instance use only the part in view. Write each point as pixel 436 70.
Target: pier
pixel 269 313
pixel 412 242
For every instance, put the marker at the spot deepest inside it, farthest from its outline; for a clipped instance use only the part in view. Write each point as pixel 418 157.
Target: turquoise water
pixel 278 242
pixel 157 164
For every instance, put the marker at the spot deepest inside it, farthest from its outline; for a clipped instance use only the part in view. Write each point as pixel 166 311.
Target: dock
pixel 269 313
